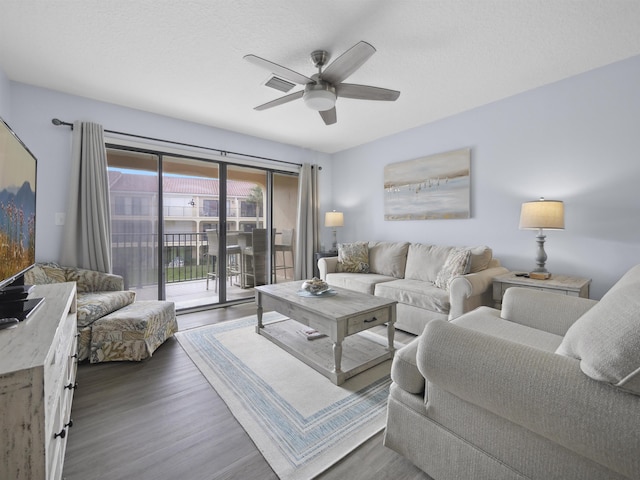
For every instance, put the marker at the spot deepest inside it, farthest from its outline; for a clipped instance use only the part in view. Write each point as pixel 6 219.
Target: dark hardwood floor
pixel 160 419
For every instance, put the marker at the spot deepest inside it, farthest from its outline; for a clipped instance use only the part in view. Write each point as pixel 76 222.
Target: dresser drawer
pixel 365 321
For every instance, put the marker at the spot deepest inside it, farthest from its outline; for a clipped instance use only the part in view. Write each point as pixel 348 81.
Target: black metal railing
pixel 135 257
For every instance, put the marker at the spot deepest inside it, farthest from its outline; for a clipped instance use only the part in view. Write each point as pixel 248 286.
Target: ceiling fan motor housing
pixel 319 58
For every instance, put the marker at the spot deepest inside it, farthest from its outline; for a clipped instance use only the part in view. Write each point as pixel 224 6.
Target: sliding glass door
pixel 195 231
pixel 135 197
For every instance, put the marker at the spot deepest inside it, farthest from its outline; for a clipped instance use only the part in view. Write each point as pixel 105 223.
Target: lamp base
pixel 541 257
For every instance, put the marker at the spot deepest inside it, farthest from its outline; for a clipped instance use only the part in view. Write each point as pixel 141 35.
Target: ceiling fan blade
pixel 329 116
pixel 279 101
pixel 348 62
pixel 365 92
pixel 279 70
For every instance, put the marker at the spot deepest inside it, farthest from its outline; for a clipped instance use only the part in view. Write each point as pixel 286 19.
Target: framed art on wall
pixel 426 188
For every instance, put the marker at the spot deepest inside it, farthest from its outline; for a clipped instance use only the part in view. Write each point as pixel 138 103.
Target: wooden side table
pixel 562 284
pixel 318 256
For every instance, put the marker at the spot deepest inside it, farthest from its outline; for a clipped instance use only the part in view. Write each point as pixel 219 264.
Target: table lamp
pixel 538 215
pixel 334 219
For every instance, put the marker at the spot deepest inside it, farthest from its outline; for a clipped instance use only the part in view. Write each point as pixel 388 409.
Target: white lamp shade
pixel 542 213
pixel 333 219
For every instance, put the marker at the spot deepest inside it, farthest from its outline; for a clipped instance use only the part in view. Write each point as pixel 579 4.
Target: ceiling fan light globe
pixel 320 97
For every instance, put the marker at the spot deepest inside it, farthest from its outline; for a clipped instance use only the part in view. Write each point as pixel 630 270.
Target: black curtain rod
pixel 224 153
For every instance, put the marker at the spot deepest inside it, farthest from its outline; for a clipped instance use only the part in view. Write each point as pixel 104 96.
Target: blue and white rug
pixel 300 421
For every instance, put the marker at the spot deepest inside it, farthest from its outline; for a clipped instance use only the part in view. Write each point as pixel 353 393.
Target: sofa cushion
pixel 353 257
pixel 480 258
pixel 457 263
pixel 388 258
pixel 606 339
pixel 94 305
pixel 425 261
pixel 415 292
pixel 360 282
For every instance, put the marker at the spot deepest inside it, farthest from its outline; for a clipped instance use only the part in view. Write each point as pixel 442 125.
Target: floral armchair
pixel 99 294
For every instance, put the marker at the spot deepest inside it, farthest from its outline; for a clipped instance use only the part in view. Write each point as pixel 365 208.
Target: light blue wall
pixel 575 140
pixel 33 108
pixel 5 107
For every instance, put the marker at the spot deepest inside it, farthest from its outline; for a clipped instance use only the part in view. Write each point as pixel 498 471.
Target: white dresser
pixel 38 364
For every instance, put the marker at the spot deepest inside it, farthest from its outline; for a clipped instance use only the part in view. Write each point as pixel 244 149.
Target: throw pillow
pixel 353 257
pixel 606 340
pixel 456 264
pixel 480 258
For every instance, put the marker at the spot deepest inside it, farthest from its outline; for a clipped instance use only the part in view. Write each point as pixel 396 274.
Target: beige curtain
pixel 87 234
pixel 307 222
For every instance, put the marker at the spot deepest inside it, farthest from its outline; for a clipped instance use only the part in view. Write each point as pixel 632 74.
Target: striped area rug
pixel 300 421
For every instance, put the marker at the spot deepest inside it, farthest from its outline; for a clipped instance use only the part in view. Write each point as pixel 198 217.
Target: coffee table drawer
pixel 365 321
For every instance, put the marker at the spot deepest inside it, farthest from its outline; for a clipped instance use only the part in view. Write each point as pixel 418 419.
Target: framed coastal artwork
pixel 432 187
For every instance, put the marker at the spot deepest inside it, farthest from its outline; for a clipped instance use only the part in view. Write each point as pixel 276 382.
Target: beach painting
pixel 427 188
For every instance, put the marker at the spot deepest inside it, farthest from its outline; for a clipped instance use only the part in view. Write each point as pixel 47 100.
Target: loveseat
pixel 111 325
pixel 429 282
pixel 547 388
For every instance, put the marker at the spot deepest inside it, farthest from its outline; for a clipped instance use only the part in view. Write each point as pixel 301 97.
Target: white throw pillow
pixel 457 263
pixel 606 339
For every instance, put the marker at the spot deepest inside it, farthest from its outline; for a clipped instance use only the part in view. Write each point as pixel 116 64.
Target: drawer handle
pixel 62 434
pixel 70 424
pixel 72 386
pixel 75 355
pixel 370 320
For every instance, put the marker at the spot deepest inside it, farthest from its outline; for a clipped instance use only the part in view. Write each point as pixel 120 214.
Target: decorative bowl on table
pixel 315 286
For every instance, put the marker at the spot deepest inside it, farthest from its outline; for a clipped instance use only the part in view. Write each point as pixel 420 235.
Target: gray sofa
pixel 548 388
pixel 412 274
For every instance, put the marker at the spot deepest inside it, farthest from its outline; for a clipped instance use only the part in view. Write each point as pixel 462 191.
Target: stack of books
pixel 311 333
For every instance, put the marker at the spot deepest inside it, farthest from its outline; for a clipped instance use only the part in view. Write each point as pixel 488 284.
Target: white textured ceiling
pixel 183 58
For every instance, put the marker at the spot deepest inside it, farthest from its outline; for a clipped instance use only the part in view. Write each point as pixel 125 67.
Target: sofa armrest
pixel 327 265
pixel 551 312
pixel 94 281
pixel 404 371
pixel 543 392
pixel 466 291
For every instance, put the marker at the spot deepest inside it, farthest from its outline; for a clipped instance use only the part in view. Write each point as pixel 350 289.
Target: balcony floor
pixel 194 293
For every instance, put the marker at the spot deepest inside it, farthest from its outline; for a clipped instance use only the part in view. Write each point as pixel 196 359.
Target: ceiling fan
pixel 323 88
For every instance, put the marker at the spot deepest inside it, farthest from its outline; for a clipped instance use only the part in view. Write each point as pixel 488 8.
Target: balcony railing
pixel 135 257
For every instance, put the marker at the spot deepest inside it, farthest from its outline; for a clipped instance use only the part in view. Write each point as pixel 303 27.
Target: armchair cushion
pixel 86 280
pixel 92 281
pixel 45 273
pixel 95 305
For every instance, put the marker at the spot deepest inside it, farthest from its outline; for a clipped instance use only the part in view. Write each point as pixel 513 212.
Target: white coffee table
pixel 339 317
